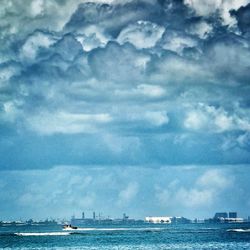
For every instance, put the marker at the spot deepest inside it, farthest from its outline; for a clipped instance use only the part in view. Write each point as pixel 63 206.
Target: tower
pixel 233 215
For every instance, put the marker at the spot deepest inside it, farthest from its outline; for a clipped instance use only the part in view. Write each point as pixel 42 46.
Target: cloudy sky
pixel 137 106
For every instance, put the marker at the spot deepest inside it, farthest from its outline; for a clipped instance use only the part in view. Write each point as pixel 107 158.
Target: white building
pixel 162 219
pixel 234 220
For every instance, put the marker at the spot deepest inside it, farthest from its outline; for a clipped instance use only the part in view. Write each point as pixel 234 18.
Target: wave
pixel 239 230
pixel 43 234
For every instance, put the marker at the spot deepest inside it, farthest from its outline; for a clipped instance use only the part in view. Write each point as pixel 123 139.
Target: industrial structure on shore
pixel 219 217
pixel 224 217
pixel 98 219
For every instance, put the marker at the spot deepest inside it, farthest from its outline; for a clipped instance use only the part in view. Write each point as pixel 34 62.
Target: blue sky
pixel 130 106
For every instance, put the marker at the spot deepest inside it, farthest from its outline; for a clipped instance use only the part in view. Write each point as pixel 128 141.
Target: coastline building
pixel 100 220
pixel 220 215
pixel 232 215
pixel 180 220
pixel 224 217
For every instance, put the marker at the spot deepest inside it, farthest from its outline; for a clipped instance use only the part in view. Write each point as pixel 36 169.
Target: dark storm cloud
pixel 243 18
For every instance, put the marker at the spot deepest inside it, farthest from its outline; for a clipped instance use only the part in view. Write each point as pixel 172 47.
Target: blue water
pixel 190 236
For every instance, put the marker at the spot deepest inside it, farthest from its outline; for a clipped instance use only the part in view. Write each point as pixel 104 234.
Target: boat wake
pixel 110 229
pixel 44 234
pixel 239 230
pixel 81 230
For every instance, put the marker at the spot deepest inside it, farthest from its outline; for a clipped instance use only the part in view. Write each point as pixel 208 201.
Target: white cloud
pixel 207 8
pixel 11 111
pixel 70 189
pixel 142 34
pixel 119 64
pixel 121 144
pixel 195 120
pixel 87 200
pixel 146 117
pixel 92 37
pixel 177 42
pixel 206 190
pixel 223 121
pixel 175 69
pixel 150 90
pixel 128 194
pixel 195 197
pixel 180 196
pixel 142 90
pixel 228 5
pixel 37 7
pixel 203 7
pixel 202 29
pixel 164 197
pixel 157 118
pixel 36 14
pixel 67 123
pixel 215 119
pixel 33 43
pixel 209 187
pixel 6 72
pixel 215 179
pixel 223 58
pixel 244 139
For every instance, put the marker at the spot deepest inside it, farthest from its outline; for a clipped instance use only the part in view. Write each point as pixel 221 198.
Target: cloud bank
pixel 151 71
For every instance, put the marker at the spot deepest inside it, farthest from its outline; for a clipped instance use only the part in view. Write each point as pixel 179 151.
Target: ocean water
pixel 124 237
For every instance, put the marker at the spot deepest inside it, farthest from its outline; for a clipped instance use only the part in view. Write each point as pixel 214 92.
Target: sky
pixel 135 106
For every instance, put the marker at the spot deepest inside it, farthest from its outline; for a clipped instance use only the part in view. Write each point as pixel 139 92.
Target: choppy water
pixel 191 236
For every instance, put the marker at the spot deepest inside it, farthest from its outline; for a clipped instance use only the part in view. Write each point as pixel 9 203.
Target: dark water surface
pixel 190 236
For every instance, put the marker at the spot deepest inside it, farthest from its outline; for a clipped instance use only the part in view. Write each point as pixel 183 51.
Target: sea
pixel 125 237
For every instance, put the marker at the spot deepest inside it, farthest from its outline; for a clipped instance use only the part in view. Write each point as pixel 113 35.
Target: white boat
pixel 69 228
